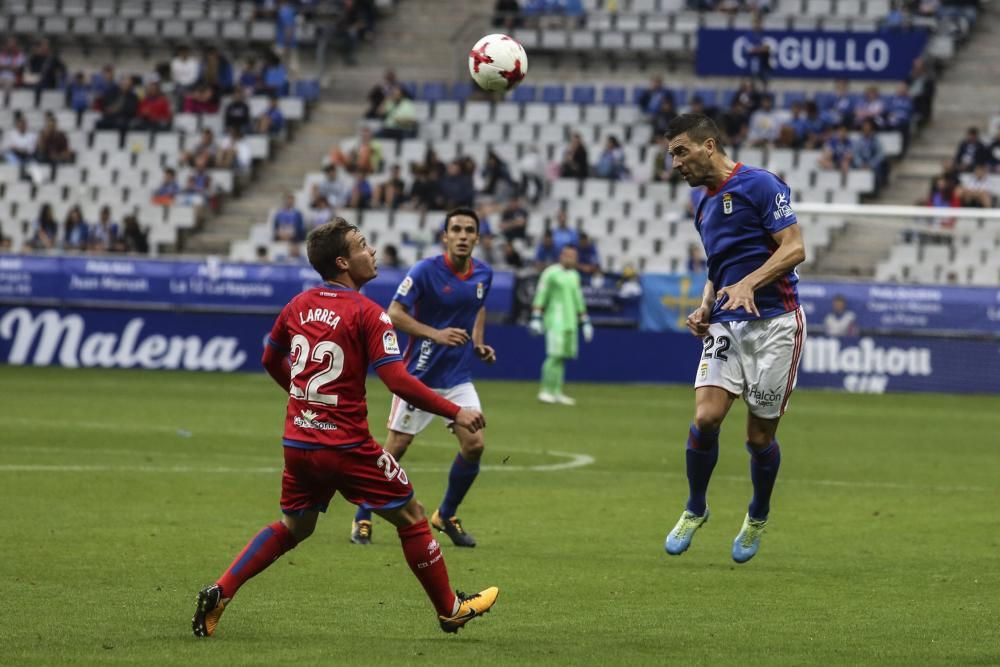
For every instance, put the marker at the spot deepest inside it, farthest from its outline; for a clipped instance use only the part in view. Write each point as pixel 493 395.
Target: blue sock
pixel 764 466
pixel 702 455
pixel 363 515
pixel 463 474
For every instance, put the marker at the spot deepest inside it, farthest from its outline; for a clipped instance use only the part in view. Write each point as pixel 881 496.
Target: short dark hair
pixel 698 126
pixel 462 210
pixel 326 243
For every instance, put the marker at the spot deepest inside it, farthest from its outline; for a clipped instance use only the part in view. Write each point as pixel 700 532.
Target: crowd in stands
pixel 970 179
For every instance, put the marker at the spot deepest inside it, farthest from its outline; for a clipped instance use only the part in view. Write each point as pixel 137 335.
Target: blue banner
pixel 667 299
pixel 196 341
pixel 811 54
pixel 209 284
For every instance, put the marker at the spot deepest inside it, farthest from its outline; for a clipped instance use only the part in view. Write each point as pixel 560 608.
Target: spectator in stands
pixel 734 123
pixel 201 98
pixel 510 257
pixel 663 164
pixel 765 123
pixel 457 188
pixel 12 62
pixel 120 107
pixel 53 146
pixel 391 193
pixel 361 190
pixel 757 53
pixel 78 96
pixel 971 152
pixel 336 190
pixel 662 117
pixel 272 121
pixel 977 188
pixel 507 15
pixel 532 175
pixel 75 230
pixel 840 110
pixel 546 253
pixel 922 88
pixel 748 98
pixel 514 220
pixel 103 235
pixel 651 99
pixel 249 80
pixel 45 230
pixel 815 128
pixel 944 194
pixel 184 72
pixel 432 162
pixel 629 286
pixel 696 262
pixel 45 70
pixel 167 190
pixel 133 238
pixel 198 190
pixel 319 212
pixel 611 163
pixel 589 263
pixel 20 144
pixel 364 154
pixel 349 29
pixel 868 154
pixel 101 82
pixel 870 108
pixel 995 153
pixel 380 92
pixel 275 77
pixel 424 190
pixel 284 28
pixel 154 111
pixel 390 258
pixel 497 181
pixel 399 116
pixel 564 235
pixel 217 72
pixel 837 152
pixel 234 152
pixel 840 321
pixel 237 112
pixel 899 111
pixel 288 222
pixel 202 154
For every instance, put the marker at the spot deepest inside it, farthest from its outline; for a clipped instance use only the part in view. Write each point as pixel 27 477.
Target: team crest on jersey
pixel 405 286
pixel 727 203
pixel 389 342
pixel 480 289
pixel 703 370
pixel 781 207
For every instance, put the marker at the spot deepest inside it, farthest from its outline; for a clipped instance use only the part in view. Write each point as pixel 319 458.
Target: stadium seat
pixel 613 95
pixel 433 91
pixel 584 94
pixel 553 94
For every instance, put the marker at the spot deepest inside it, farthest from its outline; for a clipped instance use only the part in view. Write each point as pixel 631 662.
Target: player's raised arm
pixel 790 253
pixel 483 351
pixel 416 393
pixel 411 326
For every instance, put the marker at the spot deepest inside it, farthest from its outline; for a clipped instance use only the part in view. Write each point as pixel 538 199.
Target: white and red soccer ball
pixel 498 63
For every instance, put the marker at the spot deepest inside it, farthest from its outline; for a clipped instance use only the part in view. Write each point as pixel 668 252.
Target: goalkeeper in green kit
pixel 557 311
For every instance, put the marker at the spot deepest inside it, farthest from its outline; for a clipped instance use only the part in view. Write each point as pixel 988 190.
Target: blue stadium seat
pixel 637 93
pixel 584 94
pixel 680 97
pixel 411 88
pixel 523 94
pixel 434 91
pixel 461 91
pixel 553 94
pixel 824 99
pixel 709 96
pixel 726 98
pixel 613 95
pixel 792 96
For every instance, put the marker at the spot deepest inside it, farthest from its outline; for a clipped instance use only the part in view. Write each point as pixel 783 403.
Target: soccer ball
pixel 498 63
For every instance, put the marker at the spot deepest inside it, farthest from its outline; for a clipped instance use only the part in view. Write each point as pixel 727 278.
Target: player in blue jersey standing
pixel 440 306
pixel 749 320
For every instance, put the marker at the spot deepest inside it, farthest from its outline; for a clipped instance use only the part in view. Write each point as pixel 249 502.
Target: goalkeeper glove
pixel 535 326
pixel 588 329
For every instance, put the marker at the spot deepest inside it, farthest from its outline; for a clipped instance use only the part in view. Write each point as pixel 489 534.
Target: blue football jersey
pixel 736 222
pixel 437 296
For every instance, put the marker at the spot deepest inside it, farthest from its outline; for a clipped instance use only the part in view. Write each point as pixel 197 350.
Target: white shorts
pixel 407 419
pixel 757 359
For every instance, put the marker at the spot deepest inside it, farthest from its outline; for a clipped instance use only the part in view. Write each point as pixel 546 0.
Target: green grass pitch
pixel 123 493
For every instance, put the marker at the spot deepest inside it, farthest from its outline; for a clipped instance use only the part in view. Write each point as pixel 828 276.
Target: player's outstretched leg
pixel 702 455
pixel 265 548
pixel 764 465
pixel 361 527
pixel 423 555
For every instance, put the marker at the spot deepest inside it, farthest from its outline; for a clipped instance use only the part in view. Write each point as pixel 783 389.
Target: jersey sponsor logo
pixel 766 398
pixel 52 336
pixel 308 420
pixel 389 342
pixel 404 287
pixel 426 348
pixel 480 290
pixel 727 203
pixel 781 207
